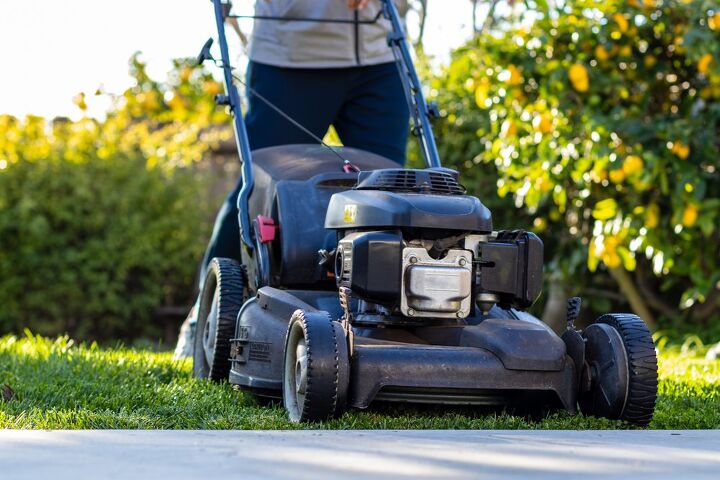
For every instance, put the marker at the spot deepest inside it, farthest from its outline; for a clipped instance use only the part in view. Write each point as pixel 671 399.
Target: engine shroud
pixel 405 198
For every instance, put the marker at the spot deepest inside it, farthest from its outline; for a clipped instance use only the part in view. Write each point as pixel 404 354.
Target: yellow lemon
pixel 610 243
pixel 689 216
pixel 648 3
pixel 621 21
pixel 617 176
pixel 540 224
pixel 714 22
pixel 601 53
pixel 543 123
pixel 515 75
pixel 704 63
pixel 79 100
pixel 508 129
pixel 543 184
pixel 212 88
pixel 185 73
pixel 149 100
pixel 612 259
pixel 609 254
pixel 632 164
pixel 706 93
pixel 579 77
pixel 176 103
pixel 652 218
pixel 599 175
pixel 681 150
pixel 481 93
pixel 517 94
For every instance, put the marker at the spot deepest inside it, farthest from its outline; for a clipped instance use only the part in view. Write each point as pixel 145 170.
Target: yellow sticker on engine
pixel 350 213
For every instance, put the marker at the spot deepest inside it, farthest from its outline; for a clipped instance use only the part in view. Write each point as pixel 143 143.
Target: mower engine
pixel 413 247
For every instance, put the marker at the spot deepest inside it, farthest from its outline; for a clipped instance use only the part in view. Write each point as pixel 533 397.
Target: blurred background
pixel 594 124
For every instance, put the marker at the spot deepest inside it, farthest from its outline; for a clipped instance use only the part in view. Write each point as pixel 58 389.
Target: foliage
pixel 103 221
pixel 601 120
pixel 59 384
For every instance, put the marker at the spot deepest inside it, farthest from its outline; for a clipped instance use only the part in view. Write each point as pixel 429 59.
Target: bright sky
pixel 50 50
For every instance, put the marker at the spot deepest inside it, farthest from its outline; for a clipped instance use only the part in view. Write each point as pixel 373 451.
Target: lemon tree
pixel 600 121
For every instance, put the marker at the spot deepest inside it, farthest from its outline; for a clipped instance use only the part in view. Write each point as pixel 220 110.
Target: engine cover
pixel 438 288
pixel 379 209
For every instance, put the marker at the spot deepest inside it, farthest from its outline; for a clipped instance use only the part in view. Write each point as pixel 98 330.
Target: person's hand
pixel 357 4
pixel 352 4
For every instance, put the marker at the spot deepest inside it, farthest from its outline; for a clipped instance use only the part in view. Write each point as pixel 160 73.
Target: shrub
pixel 91 246
pixel 101 222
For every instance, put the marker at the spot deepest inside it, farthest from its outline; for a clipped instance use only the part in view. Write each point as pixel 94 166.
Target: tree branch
pixel 652 298
pixel 598 292
pixel 703 311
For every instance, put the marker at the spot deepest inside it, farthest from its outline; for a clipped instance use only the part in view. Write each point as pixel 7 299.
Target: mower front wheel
pixel 620 376
pixel 316 368
pixel 220 300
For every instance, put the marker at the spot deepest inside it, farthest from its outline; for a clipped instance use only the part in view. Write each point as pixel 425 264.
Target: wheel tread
pixel 229 279
pixel 323 366
pixel 642 363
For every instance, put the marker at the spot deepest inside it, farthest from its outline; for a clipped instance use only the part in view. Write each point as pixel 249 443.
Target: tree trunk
pixel 474 16
pixel 423 18
pixel 635 299
pixel 490 19
pixel 555 311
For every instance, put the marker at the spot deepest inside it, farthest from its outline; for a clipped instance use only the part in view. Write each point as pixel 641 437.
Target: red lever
pixel 266 229
pixel 350 168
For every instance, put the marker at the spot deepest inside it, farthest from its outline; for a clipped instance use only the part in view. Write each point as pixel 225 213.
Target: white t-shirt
pixel 308 44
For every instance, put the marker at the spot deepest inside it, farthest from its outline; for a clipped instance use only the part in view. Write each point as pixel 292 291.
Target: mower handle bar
pixel 419 110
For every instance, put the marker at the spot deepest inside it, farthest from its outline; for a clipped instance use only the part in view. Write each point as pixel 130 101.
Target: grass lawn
pixel 58 384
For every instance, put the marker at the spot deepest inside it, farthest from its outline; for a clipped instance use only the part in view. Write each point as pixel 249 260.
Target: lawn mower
pixel 362 282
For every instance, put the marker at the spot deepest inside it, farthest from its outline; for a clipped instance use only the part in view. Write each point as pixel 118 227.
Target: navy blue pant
pixel 366 105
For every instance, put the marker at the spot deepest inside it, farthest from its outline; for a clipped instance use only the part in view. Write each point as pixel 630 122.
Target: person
pixel 320 74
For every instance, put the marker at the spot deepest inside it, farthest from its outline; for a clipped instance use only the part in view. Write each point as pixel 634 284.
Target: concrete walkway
pixel 176 455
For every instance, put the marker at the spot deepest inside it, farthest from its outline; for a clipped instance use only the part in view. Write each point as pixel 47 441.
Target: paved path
pixel 177 455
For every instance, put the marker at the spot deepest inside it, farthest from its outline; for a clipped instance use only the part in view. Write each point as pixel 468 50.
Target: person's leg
pixel 312 97
pixel 375 116
pixel 224 241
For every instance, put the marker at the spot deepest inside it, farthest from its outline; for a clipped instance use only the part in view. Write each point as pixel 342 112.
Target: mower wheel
pixel 220 300
pixel 621 370
pixel 316 369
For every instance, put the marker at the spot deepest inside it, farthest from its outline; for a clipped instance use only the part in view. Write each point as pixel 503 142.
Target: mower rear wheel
pixel 316 368
pixel 621 369
pixel 220 300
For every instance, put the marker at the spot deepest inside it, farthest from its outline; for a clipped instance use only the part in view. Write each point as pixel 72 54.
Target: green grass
pixel 58 384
